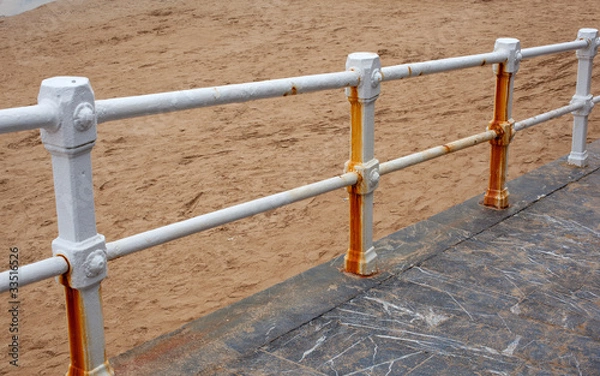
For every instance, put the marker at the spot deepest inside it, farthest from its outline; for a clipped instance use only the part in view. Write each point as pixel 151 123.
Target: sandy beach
pixel 153 171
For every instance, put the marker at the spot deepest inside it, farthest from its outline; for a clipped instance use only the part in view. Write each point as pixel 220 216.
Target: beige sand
pixel 152 171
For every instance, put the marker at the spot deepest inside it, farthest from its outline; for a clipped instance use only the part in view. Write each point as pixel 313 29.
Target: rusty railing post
pixel 70 144
pixel 497 194
pixel 585 57
pixel 360 258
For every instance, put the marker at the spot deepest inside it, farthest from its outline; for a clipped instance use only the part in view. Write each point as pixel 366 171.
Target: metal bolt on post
pixel 70 144
pixel 585 57
pixel 502 123
pixel 361 257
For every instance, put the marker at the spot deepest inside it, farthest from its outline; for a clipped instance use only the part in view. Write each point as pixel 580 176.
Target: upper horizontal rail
pixel 397 72
pixel 34 272
pixel 528 53
pixel 27 118
pixel 128 107
pixel 190 226
pixel 42 116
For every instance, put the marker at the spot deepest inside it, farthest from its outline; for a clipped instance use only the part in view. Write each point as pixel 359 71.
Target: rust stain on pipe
pixel 77 336
pixel 355 255
pixel 355 252
pixel 76 320
pixel 497 195
pixel 293 91
pixel 356 126
pixel 501 96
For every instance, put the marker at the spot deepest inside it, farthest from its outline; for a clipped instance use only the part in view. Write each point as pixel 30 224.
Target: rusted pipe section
pixel 200 223
pixel 579 155
pixel 397 72
pixel 129 107
pixel 42 115
pixel 361 257
pixel 527 123
pixel 35 272
pixel 497 194
pixel 87 354
pixel 435 152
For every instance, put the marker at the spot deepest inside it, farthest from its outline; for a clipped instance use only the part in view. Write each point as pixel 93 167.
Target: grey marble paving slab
pixel 260 363
pixel 415 244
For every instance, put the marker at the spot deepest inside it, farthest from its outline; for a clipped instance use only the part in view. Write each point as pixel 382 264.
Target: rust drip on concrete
pixel 497 194
pixel 355 252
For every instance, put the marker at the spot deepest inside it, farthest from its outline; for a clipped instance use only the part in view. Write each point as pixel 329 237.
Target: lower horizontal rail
pixel 426 155
pixel 34 272
pixel 190 226
pixel 524 124
pixel 596 99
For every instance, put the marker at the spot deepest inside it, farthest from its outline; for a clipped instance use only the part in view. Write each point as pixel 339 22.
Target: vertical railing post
pixel 585 57
pixel 497 194
pixel 360 258
pixel 70 144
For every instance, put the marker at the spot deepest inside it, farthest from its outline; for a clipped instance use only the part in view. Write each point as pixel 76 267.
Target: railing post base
pixel 361 263
pixel 496 199
pixel 578 159
pixel 103 370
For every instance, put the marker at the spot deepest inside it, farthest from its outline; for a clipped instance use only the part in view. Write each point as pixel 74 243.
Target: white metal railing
pixel 68 114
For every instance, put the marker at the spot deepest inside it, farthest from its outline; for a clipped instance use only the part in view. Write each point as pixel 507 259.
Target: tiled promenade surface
pixel 471 291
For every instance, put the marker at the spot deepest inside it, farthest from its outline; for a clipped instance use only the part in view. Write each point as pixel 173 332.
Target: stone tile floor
pixel 471 291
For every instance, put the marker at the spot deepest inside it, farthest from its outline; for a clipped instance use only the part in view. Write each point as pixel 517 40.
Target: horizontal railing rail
pixel 546 116
pixel 68 114
pixel 529 53
pixel 194 225
pixel 28 118
pixel 129 107
pixel 438 151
